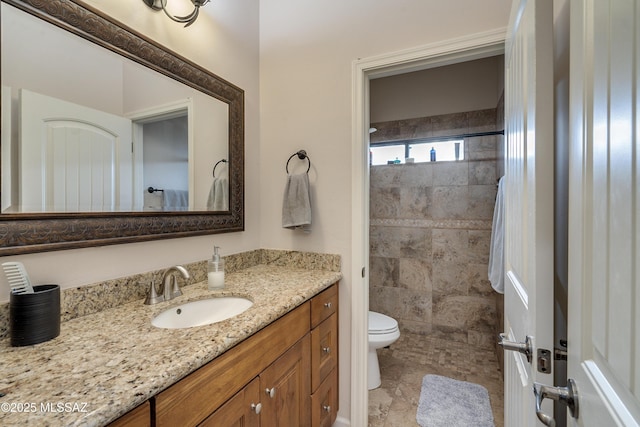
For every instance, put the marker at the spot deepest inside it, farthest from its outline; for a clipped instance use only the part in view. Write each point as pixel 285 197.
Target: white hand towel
pixel 175 200
pixel 296 205
pixel 496 250
pixel 218 199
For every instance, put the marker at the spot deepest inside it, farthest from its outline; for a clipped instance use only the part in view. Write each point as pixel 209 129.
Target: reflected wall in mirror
pixel 71 147
pixel 107 137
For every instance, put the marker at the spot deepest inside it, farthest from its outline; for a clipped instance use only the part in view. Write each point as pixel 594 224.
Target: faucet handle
pixel 152 296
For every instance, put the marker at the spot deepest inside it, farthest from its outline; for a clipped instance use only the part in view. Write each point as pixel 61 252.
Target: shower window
pixel 397 152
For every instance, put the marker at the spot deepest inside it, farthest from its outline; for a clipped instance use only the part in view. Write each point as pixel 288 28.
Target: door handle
pixel 525 347
pixel 568 394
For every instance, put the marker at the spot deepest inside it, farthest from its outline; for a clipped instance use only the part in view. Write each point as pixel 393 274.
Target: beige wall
pixel 465 86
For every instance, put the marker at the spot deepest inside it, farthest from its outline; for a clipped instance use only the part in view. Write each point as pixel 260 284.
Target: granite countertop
pixel 105 364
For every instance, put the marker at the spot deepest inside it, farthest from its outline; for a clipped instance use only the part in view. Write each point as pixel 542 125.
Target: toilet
pixel 383 331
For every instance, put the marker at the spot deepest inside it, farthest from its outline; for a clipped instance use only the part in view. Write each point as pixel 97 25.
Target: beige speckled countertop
pixel 104 364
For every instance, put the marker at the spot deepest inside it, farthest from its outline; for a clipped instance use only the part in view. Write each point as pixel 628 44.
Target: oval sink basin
pixel 202 312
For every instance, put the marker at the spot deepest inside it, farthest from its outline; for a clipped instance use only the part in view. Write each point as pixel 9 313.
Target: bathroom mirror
pixel 218 116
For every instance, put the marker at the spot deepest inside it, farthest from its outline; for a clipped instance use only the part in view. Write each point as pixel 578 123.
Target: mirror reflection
pixel 86 130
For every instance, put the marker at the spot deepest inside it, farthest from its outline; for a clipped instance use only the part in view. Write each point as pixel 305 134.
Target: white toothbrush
pixel 17 278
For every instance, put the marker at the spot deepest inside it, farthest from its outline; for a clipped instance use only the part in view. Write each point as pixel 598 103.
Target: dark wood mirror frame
pixel 31 232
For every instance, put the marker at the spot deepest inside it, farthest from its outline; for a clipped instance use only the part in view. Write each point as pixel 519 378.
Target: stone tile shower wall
pixel 430 229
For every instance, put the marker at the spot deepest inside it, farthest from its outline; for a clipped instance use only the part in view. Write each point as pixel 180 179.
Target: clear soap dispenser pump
pixel 216 270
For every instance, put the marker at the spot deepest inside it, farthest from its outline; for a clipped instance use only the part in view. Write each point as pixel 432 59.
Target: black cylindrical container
pixel 34 318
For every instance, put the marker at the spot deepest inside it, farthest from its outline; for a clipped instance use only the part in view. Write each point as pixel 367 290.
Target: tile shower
pixel 430 229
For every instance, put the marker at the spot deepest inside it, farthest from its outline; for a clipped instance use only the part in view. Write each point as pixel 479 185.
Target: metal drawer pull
pixel 568 394
pixel 327 408
pixel 257 408
pixel 271 392
pixel 525 347
pixel 326 349
pixel 327 304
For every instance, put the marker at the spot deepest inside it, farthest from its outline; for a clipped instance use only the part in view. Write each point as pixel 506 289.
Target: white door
pixel 528 203
pixel 604 212
pixel 73 158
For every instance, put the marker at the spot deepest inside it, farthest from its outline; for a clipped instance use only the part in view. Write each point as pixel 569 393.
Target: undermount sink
pixel 202 312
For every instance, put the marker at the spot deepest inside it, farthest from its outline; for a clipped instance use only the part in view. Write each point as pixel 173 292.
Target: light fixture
pixel 187 19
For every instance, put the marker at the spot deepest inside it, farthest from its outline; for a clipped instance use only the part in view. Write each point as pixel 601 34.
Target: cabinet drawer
pixel 324 350
pixel 324 305
pixel 138 417
pixel 324 402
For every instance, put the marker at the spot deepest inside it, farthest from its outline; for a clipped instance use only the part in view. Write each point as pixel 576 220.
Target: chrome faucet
pixel 170 287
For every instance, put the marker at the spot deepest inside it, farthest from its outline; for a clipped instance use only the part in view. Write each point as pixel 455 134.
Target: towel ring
pixel 216 165
pixel 301 155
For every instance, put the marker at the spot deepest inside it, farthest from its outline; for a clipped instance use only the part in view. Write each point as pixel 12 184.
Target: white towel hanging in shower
pixel 496 250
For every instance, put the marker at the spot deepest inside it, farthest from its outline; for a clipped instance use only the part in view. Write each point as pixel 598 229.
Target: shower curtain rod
pixel 437 138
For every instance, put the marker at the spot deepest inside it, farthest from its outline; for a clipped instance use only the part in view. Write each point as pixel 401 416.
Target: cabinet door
pixel 242 410
pixel 286 386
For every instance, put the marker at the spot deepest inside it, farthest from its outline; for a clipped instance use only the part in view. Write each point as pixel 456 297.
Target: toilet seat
pixel 380 324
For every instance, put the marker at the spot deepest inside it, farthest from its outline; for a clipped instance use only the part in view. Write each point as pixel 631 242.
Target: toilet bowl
pixel 383 331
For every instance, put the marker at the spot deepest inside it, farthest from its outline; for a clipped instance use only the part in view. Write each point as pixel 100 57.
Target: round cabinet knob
pixel 327 408
pixel 256 407
pixel 326 349
pixel 271 392
pixel 327 304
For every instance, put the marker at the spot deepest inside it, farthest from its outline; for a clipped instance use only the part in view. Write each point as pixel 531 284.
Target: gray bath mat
pixel 445 402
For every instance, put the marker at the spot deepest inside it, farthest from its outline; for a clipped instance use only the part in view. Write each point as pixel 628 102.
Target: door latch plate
pixel 544 361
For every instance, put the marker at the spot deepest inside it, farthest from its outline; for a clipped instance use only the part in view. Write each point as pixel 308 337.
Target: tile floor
pixel 408 360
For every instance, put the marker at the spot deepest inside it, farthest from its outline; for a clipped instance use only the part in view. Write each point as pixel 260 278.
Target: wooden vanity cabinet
pixel 284 375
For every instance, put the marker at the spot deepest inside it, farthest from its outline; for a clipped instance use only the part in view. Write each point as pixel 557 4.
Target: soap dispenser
pixel 215 270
